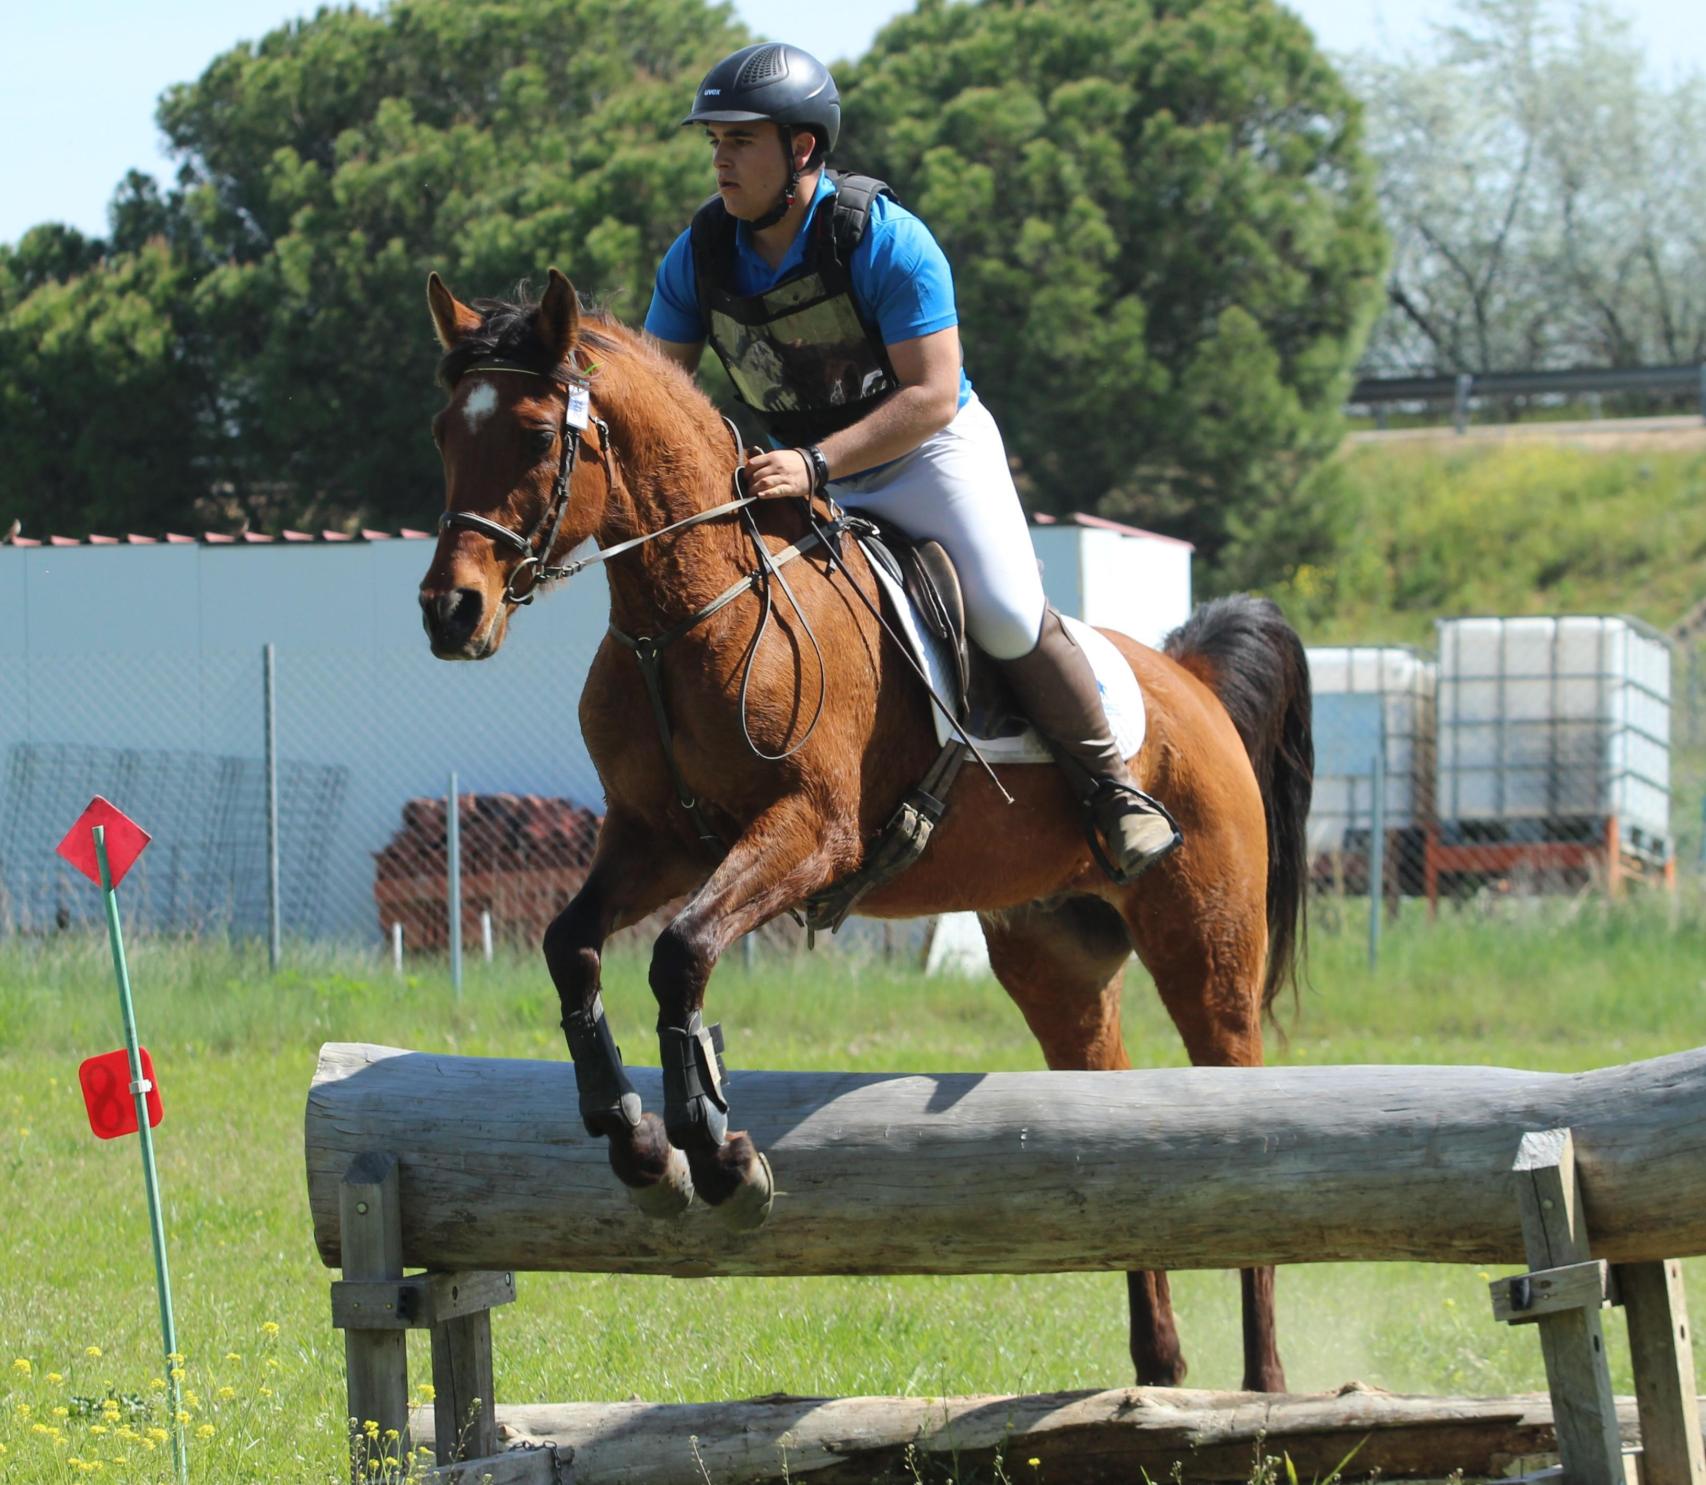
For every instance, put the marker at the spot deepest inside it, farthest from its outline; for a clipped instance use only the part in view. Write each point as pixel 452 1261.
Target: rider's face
pixel 752 169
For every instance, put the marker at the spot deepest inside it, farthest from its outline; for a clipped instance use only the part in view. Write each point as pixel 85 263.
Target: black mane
pixel 507 333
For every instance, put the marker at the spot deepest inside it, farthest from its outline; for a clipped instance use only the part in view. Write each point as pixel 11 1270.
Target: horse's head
pixel 526 469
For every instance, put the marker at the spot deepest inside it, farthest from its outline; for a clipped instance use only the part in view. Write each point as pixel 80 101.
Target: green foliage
pixel 273 346
pixel 1409 532
pixel 1162 225
pixel 1164 237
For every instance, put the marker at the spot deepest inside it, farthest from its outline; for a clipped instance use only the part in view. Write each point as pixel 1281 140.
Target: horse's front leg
pixel 783 856
pixel 626 882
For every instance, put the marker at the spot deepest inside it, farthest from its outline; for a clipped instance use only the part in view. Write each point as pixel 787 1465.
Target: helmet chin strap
pixel 789 191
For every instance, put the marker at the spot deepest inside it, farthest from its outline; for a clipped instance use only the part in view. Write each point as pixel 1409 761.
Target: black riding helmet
pixel 778 82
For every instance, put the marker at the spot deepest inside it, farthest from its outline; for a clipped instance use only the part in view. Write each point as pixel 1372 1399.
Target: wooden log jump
pixel 466 1165
pixel 1024 1172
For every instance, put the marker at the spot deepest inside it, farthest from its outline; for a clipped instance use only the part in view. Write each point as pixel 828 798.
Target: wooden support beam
pixel 1520 1299
pixel 371 1218
pixel 417 1301
pixel 1661 1352
pixel 1023 1172
pixel 1572 1340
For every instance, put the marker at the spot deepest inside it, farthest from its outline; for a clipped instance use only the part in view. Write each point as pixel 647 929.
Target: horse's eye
pixel 543 438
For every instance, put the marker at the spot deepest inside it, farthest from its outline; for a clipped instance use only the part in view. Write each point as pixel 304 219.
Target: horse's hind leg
pixel 1207 963
pixel 1063 963
pixel 783 856
pixel 627 880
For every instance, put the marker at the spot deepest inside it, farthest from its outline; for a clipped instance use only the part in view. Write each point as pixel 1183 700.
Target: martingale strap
pixel 648 651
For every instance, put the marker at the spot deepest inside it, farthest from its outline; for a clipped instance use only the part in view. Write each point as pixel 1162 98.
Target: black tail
pixel 1252 659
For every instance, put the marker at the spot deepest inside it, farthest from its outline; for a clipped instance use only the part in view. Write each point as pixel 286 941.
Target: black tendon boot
pixel 1057 690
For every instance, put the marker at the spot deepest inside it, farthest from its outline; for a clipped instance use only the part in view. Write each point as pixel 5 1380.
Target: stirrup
pixel 1106 796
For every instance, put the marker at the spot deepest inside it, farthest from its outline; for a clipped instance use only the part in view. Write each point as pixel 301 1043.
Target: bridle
pixel 534 555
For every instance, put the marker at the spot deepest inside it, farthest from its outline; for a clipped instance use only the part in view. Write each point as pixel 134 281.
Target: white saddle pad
pixel 1122 698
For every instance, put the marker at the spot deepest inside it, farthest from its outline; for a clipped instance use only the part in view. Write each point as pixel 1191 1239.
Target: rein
pixel 647 649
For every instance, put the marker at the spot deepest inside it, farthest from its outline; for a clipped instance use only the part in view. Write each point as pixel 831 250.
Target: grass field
pixel 1558 988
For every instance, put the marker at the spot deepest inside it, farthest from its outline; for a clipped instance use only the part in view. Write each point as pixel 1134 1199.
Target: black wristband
pixel 818 465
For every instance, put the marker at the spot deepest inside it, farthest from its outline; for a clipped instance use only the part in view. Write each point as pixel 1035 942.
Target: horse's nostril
pixel 451 618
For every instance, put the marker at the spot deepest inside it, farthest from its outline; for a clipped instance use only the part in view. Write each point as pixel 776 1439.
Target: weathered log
pixel 1090 1438
pixel 1024 1172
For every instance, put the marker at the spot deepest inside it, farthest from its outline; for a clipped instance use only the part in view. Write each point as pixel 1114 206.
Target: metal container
pixel 1368 700
pixel 1549 728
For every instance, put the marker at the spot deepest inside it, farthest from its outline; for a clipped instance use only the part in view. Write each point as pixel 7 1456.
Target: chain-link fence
pixel 305 796
pixel 301 792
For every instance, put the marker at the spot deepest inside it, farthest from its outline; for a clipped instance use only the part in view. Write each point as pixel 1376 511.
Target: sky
pixel 77 104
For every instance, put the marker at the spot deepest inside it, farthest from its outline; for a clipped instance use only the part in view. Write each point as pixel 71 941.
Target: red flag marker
pixel 125 841
pixel 107 1095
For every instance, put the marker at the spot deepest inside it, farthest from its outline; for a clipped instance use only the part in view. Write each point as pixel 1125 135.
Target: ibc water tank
pixel 1549 726
pixel 1369 699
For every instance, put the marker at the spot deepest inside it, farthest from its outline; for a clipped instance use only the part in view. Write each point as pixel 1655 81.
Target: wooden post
pixel 371 1230
pixel 1662 1356
pixel 1584 1408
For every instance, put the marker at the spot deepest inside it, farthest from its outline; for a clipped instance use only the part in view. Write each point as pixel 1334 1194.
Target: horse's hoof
pixel 668 1196
pixel 735 1180
pixel 750 1205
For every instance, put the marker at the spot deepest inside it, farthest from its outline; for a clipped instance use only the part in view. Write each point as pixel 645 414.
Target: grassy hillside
pixel 1424 530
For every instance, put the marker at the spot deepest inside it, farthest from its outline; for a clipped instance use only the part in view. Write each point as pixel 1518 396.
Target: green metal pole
pixel 156 1222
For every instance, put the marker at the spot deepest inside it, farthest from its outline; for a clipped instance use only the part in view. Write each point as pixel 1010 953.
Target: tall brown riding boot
pixel 1057 690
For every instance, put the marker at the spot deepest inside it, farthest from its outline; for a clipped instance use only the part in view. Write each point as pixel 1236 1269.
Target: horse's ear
pixel 559 316
pixel 451 318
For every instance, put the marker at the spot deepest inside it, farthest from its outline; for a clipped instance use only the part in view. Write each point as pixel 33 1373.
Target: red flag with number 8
pixel 107 1095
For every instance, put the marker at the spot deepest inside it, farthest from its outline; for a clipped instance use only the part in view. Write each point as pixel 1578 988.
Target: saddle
pixel 982 702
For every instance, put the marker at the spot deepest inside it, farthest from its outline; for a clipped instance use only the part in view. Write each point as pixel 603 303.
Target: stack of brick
pixel 523 857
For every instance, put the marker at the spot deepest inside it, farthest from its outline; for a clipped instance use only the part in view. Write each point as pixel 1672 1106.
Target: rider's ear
pixel 451 318
pixel 559 316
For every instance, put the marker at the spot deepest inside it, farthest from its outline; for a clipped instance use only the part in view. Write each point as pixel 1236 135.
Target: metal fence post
pixel 1377 852
pixel 453 823
pixel 269 670
pixel 1460 412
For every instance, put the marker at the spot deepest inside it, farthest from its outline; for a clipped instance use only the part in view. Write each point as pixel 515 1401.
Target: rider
pixel 851 359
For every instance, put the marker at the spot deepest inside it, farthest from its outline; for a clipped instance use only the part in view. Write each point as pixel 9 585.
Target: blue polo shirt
pixel 901 279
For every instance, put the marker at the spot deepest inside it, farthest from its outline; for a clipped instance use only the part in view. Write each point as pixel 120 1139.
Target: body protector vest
pixel 801 355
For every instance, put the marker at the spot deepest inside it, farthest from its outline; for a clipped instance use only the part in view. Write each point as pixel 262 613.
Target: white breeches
pixel 955 488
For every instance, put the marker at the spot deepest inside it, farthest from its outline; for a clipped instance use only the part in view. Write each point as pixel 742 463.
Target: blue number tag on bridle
pixel 580 408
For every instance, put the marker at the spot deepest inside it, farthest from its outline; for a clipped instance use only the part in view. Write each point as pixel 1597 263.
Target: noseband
pixel 534 556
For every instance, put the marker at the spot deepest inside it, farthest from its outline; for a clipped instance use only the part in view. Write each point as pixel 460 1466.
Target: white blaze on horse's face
pixel 481 403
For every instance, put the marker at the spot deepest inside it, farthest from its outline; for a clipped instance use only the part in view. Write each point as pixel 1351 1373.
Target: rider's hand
pixel 779 473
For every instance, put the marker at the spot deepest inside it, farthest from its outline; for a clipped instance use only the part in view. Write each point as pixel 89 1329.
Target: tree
pixel 325 169
pixel 1164 235
pixel 1547 200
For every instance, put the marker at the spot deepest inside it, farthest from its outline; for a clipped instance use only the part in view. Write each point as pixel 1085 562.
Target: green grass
pixel 1522 528
pixel 1556 988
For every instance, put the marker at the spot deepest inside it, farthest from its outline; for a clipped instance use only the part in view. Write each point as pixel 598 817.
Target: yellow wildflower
pixel 264 1391
pixel 225 1394
pixel 157 1384
pixel 428 1391
pixel 55 1377
pixel 62 1412
pixel 22 1364
pixel 159 1435
pixel 270 1328
pixel 205 1431
pixel 92 1352
pixel 370 1428
pixel 97 1428
pixel 233 1356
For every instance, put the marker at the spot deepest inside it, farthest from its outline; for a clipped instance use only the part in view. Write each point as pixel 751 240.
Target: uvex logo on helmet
pixel 773 81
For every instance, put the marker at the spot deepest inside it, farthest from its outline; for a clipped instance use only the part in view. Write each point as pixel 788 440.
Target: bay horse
pixel 562 425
